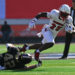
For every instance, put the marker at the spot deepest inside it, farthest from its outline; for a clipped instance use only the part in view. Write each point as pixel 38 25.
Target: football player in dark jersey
pixel 14 59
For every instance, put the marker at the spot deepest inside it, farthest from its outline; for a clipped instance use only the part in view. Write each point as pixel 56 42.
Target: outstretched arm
pixel 31 67
pixel 28 67
pixel 32 22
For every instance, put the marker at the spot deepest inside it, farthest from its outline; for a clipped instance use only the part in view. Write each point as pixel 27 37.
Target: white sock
pixel 38 50
pixel 27 48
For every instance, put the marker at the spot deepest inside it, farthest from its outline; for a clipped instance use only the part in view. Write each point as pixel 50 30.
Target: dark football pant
pixel 67 44
pixel 40 47
pixel 1 61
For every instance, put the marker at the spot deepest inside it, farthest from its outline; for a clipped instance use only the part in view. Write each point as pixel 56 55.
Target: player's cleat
pixel 37 58
pixel 63 57
pixel 23 49
pixel 39 63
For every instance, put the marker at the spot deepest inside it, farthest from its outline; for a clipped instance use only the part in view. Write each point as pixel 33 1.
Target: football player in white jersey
pixel 59 19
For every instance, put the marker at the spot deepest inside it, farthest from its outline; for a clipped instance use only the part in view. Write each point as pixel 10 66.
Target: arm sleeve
pixel 42 14
pixel 30 67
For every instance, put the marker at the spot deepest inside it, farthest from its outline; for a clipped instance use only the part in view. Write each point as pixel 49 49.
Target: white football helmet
pixel 64 11
pixel 65 8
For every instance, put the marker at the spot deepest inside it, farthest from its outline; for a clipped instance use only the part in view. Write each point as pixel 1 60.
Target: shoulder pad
pixel 53 13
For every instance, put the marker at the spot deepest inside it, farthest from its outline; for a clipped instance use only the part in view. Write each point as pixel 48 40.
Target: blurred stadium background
pixel 18 13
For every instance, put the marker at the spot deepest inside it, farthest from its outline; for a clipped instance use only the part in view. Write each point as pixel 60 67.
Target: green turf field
pixel 57 48
pixel 49 67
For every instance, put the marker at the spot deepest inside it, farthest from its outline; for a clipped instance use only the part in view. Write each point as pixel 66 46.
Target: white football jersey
pixel 56 23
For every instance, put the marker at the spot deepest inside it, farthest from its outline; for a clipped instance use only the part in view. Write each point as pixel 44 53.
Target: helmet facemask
pixel 64 11
pixel 25 58
pixel 63 15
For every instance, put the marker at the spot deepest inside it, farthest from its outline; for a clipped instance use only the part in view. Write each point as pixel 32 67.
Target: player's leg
pixel 34 46
pixel 47 42
pixel 42 48
pixel 67 45
pixel 47 34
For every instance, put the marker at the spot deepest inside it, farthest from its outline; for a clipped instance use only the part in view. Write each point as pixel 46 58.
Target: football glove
pixel 39 34
pixel 70 28
pixel 32 23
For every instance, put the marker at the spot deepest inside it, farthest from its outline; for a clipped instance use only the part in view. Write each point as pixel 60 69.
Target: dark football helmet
pixel 25 58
